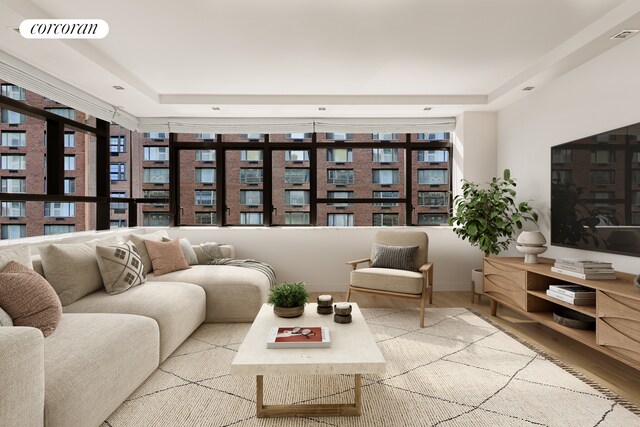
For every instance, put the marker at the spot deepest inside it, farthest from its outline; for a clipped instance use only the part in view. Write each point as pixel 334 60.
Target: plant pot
pixel 477 276
pixel 288 311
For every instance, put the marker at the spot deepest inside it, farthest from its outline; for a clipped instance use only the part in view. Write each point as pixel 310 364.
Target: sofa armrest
pixel 21 376
pixel 228 251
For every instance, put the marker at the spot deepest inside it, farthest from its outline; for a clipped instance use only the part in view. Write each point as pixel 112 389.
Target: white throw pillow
pixel 19 253
pixel 138 240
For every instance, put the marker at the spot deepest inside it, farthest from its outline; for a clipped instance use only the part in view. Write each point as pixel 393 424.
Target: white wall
pixel 601 95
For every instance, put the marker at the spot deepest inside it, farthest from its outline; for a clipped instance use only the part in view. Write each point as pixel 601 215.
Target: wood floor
pixel 606 371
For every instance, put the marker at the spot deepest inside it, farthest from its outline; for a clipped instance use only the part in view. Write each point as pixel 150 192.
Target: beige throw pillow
pixel 5 319
pixel 19 253
pixel 138 240
pixel 187 250
pixel 166 256
pixel 28 298
pixel 120 266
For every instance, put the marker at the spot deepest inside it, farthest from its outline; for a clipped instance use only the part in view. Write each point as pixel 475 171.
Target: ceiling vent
pixel 624 34
pixel 528 88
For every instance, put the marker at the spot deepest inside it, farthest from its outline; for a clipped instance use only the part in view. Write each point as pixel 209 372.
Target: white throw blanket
pixel 212 252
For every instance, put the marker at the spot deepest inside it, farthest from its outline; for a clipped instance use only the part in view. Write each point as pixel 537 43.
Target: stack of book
pixel 573 294
pixel 584 269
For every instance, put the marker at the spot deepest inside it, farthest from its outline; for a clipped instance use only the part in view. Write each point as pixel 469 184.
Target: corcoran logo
pixel 64 29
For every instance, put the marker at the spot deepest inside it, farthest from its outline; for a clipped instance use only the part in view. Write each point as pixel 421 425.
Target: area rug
pixel 460 370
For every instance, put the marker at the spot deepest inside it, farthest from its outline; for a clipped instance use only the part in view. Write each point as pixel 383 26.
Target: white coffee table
pixel 352 351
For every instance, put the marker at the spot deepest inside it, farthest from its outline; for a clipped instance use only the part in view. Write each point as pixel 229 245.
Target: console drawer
pixel 618 324
pixel 505 282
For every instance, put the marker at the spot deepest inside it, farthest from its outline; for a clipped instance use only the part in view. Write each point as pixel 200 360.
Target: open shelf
pixel 585 337
pixel 589 310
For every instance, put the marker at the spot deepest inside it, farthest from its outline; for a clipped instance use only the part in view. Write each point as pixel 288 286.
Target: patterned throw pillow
pixel 398 257
pixel 166 256
pixel 120 266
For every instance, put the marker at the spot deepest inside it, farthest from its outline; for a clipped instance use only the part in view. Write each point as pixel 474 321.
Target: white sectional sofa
pixel 105 345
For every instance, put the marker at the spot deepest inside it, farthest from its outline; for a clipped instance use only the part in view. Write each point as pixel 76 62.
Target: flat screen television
pixel 595 192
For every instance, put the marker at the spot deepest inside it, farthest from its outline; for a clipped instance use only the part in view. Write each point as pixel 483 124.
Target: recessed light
pixel 322 108
pixel 624 34
pixel 117 87
pixel 215 108
pixel 529 88
pixel 427 108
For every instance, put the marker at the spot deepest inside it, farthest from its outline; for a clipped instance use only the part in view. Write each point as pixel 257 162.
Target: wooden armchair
pixel 416 284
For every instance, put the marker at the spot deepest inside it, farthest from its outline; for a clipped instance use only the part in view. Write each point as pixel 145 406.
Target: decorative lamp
pixel 531 243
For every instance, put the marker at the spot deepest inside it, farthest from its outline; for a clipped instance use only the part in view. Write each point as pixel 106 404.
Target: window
pixel 59 209
pixel 204 175
pixel 296 176
pixel 59 228
pixel 251 197
pixel 340 220
pixel 14 185
pixel 296 218
pixel 253 136
pixel 386 195
pixel 156 175
pixel 603 156
pixel 69 113
pixel 251 218
pixel 384 136
pixel 434 199
pixel 602 177
pixel 296 155
pixel 636 157
pixel 432 176
pixel 118 223
pixel 385 155
pixel 561 177
pixel 14 139
pixel 14 161
pixel 155 194
pixel 12 117
pixel 299 136
pixel 205 197
pixel 339 136
pixel 119 206
pixel 206 155
pixel 157 154
pixel 69 140
pixel 206 136
pixel 250 176
pixel 432 219
pixel 205 218
pixel 433 156
pixel 385 176
pixel 385 219
pixel 635 177
pixel 636 198
pixel 560 156
pixel 251 155
pixel 117 144
pixel 118 171
pixel 14 231
pixel 69 163
pixel 69 186
pixel 434 136
pixel 14 209
pixel 14 92
pixel 156 135
pixel 339 155
pixel 340 195
pixel 155 219
pixel 296 197
pixel 340 176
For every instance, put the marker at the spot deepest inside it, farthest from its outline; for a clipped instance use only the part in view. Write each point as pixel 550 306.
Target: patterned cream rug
pixel 459 370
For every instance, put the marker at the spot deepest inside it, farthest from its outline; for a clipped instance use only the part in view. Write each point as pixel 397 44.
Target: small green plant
pixel 287 295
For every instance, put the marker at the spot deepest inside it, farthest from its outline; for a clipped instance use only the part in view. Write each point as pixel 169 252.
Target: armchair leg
pixel 349 293
pixel 422 304
pixel 431 286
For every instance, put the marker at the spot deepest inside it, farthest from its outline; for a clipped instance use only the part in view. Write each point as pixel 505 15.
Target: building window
pixel 385 176
pixel 12 117
pixel 250 176
pixel 603 156
pixel 205 175
pixel 333 136
pixel 117 144
pixel 118 171
pixel 340 176
pixel 432 219
pixel 205 218
pixel 69 186
pixel 206 136
pixel 339 155
pixel 14 161
pixel 69 113
pixel 301 218
pixel 205 197
pixel 156 175
pixel 253 136
pixel 296 155
pixel 14 231
pixel 636 198
pixel 384 136
pixel 607 177
pixel 386 195
pixel 156 135
pixel 635 158
pixel 14 92
pixel 155 219
pixel 69 140
pixel 299 136
pixel 251 218
pixel 119 206
pixel 14 139
pixel 433 156
pixel 118 223
pixel 59 209
pixel 434 199
pixel 561 177
pixel 59 228
pixel 434 136
pixel 340 220
pixel 296 176
pixel 14 209
pixel 296 197
pixel 560 156
pixel 384 155
pixel 69 163
pixel 155 194
pixel 340 195
pixel 432 176
pixel 156 154
pixel 385 219
pixel 251 155
pixel 206 155
pixel 251 197
pixel 14 185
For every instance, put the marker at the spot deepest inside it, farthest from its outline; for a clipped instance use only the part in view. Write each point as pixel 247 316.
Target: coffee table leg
pixel 259 395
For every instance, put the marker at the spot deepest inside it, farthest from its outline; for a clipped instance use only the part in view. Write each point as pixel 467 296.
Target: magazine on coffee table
pixel 299 337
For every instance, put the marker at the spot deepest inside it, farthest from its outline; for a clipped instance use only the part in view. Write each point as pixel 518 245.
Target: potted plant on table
pixel 288 299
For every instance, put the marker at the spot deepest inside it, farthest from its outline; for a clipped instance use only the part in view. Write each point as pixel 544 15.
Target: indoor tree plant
pixel 288 299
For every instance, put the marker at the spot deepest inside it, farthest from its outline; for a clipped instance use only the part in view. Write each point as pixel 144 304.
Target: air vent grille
pixel 625 34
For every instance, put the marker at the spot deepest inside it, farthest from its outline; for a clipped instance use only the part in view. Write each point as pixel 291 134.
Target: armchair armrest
pixel 354 264
pixel 426 267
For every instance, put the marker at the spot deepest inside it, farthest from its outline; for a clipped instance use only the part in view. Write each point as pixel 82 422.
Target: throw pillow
pixel 166 256
pixel 139 239
pixel 398 257
pixel 5 319
pixel 72 269
pixel 20 253
pixel 28 298
pixel 120 266
pixel 187 250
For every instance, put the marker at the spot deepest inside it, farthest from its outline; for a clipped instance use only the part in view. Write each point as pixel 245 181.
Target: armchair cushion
pixel 396 257
pixel 385 279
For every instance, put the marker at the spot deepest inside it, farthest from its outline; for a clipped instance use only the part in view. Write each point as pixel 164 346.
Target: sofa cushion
pixel 62 264
pixel 19 253
pixel 120 266
pixel 5 319
pixel 384 279
pixel 138 240
pixel 166 256
pixel 187 250
pixel 396 257
pixel 28 298
pixel 93 363
pixel 178 308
